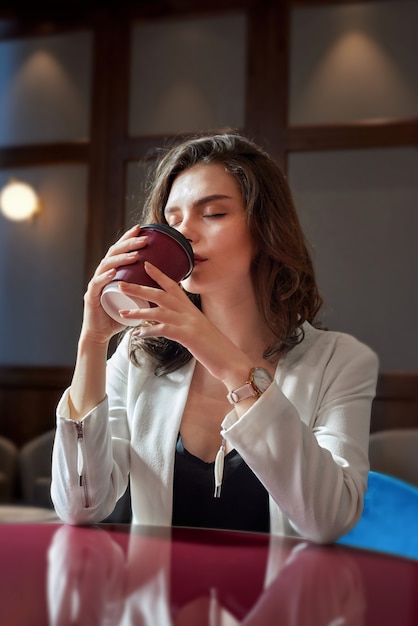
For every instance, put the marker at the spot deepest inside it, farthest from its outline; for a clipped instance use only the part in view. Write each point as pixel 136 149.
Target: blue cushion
pixel 389 522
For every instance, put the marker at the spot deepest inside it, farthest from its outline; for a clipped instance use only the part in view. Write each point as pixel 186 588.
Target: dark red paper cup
pixel 168 250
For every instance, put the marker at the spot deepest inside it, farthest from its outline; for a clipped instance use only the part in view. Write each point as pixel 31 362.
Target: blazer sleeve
pixel 90 459
pixel 306 438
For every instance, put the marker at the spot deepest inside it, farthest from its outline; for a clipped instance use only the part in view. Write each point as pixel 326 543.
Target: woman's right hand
pixel 98 326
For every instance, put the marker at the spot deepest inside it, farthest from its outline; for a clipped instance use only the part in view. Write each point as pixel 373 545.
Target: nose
pixel 187 228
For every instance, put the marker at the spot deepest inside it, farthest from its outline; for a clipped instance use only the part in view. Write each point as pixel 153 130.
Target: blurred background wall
pixel 86 96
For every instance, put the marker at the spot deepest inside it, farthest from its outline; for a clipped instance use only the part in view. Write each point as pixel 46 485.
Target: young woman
pixel 228 366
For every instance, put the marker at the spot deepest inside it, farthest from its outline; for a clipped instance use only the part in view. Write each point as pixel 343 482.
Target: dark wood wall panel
pixel 379 134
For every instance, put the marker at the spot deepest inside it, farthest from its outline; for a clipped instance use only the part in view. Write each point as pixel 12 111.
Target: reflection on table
pixel 59 575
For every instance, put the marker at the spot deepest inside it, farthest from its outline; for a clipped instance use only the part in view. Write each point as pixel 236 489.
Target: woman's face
pixel 205 204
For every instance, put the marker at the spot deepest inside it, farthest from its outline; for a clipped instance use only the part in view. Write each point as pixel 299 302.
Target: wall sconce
pixel 18 201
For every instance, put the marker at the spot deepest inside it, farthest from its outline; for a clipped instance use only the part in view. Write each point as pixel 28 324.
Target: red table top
pixel 113 575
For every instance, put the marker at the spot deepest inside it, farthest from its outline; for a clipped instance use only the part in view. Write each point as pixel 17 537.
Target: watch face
pixel 261 378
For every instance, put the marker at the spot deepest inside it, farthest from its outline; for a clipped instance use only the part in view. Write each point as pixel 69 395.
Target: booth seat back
pixel 35 460
pixel 8 470
pixel 395 452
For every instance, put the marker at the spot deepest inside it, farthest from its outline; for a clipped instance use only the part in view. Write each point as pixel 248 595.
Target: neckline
pixel 209 464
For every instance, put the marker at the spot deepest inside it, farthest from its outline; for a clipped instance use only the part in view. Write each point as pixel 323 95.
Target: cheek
pixel 238 260
pixel 244 246
pixel 236 237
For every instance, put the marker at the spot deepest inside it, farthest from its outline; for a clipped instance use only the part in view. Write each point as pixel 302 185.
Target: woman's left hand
pixel 177 318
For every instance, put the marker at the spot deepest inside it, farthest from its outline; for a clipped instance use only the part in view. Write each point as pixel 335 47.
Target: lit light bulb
pixel 18 201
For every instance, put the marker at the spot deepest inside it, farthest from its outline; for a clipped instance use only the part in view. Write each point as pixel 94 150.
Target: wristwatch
pixel 258 381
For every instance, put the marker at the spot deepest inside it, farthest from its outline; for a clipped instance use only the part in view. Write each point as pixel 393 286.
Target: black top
pixel 243 504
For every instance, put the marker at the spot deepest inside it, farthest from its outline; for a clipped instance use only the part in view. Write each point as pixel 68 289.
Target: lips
pixel 198 258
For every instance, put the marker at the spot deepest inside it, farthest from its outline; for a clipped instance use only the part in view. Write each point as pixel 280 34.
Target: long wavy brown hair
pixel 282 271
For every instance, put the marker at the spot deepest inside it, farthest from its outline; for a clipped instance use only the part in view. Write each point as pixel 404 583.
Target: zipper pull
pixel 80 462
pixel 80 456
pixel 219 469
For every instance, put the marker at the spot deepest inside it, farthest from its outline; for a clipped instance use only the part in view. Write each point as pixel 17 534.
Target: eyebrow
pixel 201 201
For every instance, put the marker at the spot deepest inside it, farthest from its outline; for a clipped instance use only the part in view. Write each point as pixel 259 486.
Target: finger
pixel 145 319
pixel 146 324
pixel 127 245
pixel 144 331
pixel 117 260
pixel 131 232
pixel 152 269
pixel 158 276
pixel 99 281
pixel 122 253
pixel 164 298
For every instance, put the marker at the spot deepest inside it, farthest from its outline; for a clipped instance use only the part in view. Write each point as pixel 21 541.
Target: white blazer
pixel 306 438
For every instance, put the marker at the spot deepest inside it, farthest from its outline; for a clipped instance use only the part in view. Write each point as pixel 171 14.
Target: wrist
pixel 88 342
pixel 257 381
pixel 236 376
